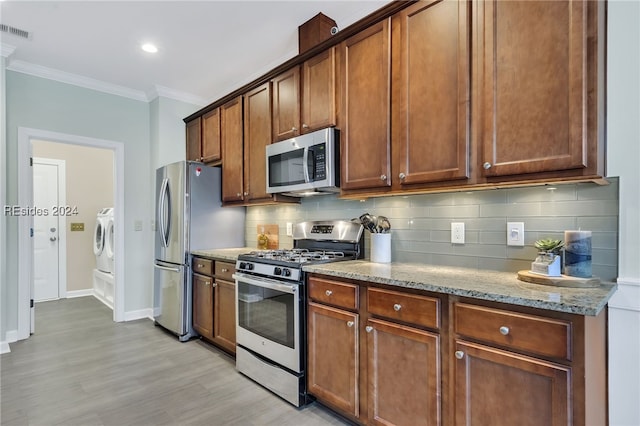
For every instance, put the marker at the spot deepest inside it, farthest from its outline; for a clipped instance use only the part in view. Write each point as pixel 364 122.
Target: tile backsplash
pixel 421 224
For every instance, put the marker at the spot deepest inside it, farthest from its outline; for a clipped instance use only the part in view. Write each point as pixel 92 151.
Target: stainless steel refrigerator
pixel 189 216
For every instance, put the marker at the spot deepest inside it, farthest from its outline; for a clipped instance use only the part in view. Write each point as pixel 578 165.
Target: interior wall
pixel 3 200
pixel 89 187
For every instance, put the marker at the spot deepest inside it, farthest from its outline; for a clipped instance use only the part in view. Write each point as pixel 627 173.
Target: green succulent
pixel 549 245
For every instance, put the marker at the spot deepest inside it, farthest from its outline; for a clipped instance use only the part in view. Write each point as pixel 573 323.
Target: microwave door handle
pixel 305 165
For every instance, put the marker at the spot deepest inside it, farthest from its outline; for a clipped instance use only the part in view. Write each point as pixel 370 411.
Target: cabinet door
pixel 499 388
pixel 532 86
pixel 257 135
pixel 224 324
pixel 194 138
pixel 203 305
pixel 404 375
pixel 232 148
pixel 211 136
pixel 365 138
pixel 333 357
pixel 319 91
pixel 286 104
pixel 431 83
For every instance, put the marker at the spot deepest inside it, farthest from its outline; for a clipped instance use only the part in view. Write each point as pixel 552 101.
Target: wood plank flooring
pixel 80 368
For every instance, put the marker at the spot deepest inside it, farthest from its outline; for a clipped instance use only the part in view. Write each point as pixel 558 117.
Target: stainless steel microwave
pixel 305 165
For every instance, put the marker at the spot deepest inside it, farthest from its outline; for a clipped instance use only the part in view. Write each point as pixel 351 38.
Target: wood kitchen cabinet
pixel 386 373
pixel 286 104
pixel 365 139
pixel 231 136
pixel 431 84
pixel 203 138
pixel 257 135
pixel 202 283
pixel 537 112
pixel 214 308
pixel 511 367
pixel 319 85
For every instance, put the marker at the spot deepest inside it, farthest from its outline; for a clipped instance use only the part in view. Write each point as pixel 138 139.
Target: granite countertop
pixel 480 284
pixel 228 254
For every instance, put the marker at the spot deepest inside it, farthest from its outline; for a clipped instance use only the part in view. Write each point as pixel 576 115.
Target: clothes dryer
pixel 109 243
pixel 99 239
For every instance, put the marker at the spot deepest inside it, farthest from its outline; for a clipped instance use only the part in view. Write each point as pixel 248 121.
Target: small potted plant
pixel 548 260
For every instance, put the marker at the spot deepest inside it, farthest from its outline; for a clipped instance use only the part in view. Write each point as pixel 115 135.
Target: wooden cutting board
pixel 561 281
pixel 271 231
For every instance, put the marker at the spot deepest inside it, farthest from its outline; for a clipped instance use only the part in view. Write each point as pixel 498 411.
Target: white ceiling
pixel 207 48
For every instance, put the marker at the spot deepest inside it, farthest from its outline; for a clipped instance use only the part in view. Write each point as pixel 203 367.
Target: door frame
pixel 25 223
pixel 62 222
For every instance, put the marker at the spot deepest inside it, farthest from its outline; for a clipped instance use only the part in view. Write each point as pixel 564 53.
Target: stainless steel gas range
pixel 271 304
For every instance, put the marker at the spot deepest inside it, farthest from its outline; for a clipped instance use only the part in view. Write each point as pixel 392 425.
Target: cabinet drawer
pixel 334 293
pixel 224 270
pixel 411 308
pixel 544 336
pixel 202 266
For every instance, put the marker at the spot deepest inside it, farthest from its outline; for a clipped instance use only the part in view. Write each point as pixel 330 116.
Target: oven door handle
pixel 266 283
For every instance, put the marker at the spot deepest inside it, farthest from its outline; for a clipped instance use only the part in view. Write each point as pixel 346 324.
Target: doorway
pixel 26 136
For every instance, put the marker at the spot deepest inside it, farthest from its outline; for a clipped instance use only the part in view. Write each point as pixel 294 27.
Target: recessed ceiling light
pixel 149 47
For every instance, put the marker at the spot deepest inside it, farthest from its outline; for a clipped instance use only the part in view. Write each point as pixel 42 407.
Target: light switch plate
pixel 515 233
pixel 137 225
pixel 457 232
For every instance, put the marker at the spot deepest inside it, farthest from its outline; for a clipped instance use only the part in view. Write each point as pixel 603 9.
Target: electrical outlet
pixel 289 229
pixel 515 233
pixel 457 232
pixel 137 225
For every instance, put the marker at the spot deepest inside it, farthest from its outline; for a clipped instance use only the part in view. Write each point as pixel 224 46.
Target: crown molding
pixel 101 86
pixel 6 50
pixel 165 92
pixel 75 80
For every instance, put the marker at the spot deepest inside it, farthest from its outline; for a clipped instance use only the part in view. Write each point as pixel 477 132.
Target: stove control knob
pixel 242 265
pixel 277 271
pixel 250 266
pixel 286 272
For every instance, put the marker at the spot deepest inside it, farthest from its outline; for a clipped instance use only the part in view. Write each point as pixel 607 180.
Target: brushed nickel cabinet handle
pixel 224 270
pixel 402 176
pixel 328 292
pixel 350 324
pixel 486 165
pixel 459 354
pixel 397 307
pixel 368 329
pixel 383 177
pixel 504 330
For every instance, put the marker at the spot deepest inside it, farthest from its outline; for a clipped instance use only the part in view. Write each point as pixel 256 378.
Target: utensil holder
pixel 381 248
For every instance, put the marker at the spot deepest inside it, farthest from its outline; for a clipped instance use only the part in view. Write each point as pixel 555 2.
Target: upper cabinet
pixel 231 127
pixel 365 68
pixel 257 135
pixel 194 139
pixel 430 93
pixel 286 104
pixel 203 138
pixel 536 87
pixel 319 91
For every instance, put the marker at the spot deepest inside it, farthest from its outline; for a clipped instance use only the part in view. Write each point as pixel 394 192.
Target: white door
pixel 45 232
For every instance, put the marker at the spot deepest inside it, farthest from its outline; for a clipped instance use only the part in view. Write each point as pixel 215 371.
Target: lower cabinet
pixel 214 312
pixel 382 356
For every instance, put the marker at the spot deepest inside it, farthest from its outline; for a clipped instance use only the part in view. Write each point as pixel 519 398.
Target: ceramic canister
pixel 577 253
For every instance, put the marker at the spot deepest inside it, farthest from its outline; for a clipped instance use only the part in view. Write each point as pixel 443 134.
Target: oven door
pixel 268 319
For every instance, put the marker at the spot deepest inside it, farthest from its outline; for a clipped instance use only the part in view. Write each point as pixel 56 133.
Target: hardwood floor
pixel 80 368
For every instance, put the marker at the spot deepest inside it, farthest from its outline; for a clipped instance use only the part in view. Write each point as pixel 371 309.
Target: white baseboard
pixel 628 295
pixel 140 314
pixel 11 336
pixel 79 293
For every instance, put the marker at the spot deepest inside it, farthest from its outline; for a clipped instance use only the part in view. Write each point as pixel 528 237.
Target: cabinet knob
pixel 486 165
pixel 246 193
pixel 200 265
pixel 328 292
pixel 459 354
pixel 504 330
pixel 214 285
pixel 207 282
pixel 224 270
pixel 238 194
pixel 402 176
pixel 397 307
pixel 293 129
pixel 368 329
pixel 383 177
pixel 350 324
pixel 304 126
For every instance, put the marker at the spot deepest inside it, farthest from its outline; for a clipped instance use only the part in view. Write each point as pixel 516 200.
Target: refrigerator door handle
pixel 166 268
pixel 164 227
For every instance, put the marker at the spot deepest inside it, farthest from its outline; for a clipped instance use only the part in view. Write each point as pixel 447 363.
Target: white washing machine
pixel 109 243
pixel 99 239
